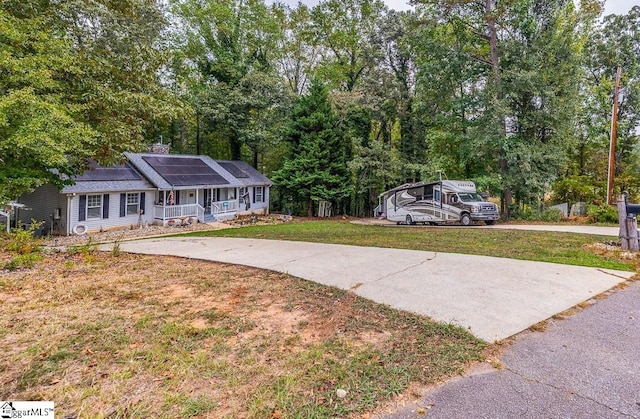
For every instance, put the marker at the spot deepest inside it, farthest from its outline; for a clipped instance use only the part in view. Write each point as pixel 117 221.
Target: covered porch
pixel 191 205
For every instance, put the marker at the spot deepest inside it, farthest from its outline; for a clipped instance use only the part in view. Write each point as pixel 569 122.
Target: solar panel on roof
pixel 235 170
pixel 113 173
pixel 181 171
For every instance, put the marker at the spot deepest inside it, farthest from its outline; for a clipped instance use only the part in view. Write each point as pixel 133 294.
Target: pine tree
pixel 316 169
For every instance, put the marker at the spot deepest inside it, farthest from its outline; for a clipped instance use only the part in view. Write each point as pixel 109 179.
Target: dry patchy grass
pixel 141 336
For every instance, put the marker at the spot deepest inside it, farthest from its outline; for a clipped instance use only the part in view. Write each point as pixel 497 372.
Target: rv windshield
pixel 470 197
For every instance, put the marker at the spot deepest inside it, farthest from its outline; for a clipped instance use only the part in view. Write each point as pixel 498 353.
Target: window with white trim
pixel 259 193
pixel 94 206
pixel 133 203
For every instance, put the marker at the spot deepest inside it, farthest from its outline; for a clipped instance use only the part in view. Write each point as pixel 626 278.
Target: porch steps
pixel 208 218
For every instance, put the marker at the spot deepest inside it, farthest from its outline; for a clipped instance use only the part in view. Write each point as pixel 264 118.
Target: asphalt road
pixel 585 366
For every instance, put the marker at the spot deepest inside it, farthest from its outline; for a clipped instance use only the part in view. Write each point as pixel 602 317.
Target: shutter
pixel 123 204
pixel 254 194
pixel 82 209
pixel 178 193
pixel 105 206
pixel 142 195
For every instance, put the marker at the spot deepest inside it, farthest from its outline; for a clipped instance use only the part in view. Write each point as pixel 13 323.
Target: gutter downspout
pixel 68 214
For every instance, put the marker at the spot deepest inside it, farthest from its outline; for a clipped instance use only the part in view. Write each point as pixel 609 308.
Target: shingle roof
pixel 104 179
pixel 245 173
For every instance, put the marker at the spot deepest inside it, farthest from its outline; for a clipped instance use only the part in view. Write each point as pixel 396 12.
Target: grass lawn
pixel 565 248
pixel 119 335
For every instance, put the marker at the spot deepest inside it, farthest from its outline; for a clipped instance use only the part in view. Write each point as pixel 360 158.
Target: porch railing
pixel 200 214
pixel 169 212
pixel 224 207
pixel 176 211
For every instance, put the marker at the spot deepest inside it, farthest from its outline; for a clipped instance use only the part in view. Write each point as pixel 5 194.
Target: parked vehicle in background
pixel 439 202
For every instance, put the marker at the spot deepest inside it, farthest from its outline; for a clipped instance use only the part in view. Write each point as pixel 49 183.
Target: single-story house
pixel 150 188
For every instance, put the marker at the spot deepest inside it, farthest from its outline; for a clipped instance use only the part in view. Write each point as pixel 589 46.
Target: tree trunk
pixel 198 146
pixel 581 160
pixel 495 65
pixel 310 209
pixel 236 149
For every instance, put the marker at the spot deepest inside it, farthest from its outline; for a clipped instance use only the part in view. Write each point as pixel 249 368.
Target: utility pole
pixel 612 145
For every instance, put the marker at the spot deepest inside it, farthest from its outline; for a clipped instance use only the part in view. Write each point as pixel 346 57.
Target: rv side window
pixel 436 195
pixel 428 192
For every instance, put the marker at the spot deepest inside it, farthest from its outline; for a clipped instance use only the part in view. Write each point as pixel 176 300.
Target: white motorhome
pixel 444 201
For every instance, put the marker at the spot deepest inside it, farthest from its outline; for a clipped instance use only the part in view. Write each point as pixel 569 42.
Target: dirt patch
pixel 141 336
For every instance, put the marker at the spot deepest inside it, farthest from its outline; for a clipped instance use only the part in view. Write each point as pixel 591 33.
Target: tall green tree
pixel 121 48
pixel 78 81
pixel 543 95
pixel 298 55
pixel 511 71
pixel 42 136
pixel 453 91
pixel 229 48
pixel 347 31
pixel 613 44
pixel 399 58
pixel 316 169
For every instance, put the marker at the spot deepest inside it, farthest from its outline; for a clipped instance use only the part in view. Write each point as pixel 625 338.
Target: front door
pixel 188 197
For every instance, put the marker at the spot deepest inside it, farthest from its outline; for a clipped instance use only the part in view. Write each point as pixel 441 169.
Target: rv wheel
pixel 409 220
pixel 465 219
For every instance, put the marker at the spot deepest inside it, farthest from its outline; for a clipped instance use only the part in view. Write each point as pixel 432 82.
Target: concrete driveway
pixel 493 298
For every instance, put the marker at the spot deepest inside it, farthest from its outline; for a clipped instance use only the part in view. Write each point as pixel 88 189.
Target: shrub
pixel 25 245
pixel 575 189
pixel 529 214
pixel 26 260
pixel 24 242
pixel 552 215
pixel 602 213
pixel 84 249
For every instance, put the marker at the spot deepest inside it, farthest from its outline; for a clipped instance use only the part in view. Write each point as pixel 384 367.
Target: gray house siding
pixel 45 204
